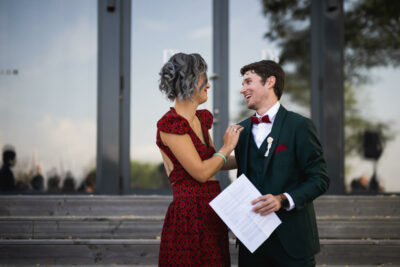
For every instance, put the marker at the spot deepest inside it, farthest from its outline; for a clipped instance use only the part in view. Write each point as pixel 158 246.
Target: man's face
pixel 254 91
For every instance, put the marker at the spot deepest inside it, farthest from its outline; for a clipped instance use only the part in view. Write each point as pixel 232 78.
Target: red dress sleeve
pixel 205 117
pixel 173 123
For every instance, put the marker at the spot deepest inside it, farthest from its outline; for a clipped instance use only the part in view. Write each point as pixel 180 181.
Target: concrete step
pixel 149 227
pixel 93 205
pixel 72 227
pixel 123 230
pixel 361 227
pixel 145 252
pixel 79 252
pixel 82 205
pixel 370 206
pixel 156 265
pixel 359 252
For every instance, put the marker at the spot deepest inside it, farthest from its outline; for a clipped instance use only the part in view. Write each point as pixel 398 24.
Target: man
pixel 279 152
pixel 7 181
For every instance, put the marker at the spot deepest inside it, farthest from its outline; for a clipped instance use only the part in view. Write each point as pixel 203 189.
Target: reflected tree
pixel 372 39
pixel 145 175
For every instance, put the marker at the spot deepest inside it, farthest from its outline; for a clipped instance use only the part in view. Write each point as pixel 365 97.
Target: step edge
pixel 386 242
pixel 146 217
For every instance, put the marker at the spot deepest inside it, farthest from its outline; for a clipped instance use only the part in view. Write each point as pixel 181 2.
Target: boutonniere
pixel 269 141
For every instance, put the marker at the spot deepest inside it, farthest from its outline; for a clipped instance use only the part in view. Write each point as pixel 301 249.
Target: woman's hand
pixel 231 137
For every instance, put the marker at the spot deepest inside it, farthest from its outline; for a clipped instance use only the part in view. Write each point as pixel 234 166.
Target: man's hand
pixel 266 204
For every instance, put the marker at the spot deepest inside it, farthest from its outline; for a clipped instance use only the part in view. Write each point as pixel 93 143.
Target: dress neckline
pixel 201 124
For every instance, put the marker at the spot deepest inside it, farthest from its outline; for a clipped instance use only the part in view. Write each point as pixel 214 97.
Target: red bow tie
pixel 256 120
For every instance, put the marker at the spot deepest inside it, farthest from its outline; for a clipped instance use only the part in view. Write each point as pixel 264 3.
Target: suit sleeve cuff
pixel 291 202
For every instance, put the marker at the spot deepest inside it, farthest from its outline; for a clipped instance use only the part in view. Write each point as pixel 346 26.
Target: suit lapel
pixel 244 142
pixel 275 133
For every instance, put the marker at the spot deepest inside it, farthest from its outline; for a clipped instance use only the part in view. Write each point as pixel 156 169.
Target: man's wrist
pixel 284 201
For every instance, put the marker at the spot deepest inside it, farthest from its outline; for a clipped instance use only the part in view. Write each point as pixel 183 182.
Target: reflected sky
pixel 48 110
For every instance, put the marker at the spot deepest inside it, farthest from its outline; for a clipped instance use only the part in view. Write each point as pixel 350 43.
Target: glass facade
pixel 160 29
pixel 48 89
pixel 372 112
pixel 48 70
pixel 375 111
pixel 248 44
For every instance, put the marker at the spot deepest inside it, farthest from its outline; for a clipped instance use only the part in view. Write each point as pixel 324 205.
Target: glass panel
pixel 375 110
pixel 48 92
pixel 160 29
pixel 248 44
pixel 372 110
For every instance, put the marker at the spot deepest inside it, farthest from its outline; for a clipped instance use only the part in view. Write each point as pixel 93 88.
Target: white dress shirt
pixel 262 130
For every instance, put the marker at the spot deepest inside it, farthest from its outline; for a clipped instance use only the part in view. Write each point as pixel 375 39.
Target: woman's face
pixel 203 85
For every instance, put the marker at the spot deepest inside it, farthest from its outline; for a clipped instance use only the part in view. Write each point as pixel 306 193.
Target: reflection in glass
pixel 372 163
pixel 249 43
pixel 372 113
pixel 370 68
pixel 160 29
pixel 48 92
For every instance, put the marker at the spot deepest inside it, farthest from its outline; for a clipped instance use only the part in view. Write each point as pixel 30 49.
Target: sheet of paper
pixel 233 206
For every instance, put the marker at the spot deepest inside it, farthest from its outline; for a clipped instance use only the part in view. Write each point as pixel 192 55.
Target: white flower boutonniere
pixel 269 141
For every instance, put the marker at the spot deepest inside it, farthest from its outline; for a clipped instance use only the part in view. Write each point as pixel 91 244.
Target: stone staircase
pixel 121 231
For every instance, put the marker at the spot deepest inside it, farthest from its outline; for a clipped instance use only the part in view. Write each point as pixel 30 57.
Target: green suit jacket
pixel 296 167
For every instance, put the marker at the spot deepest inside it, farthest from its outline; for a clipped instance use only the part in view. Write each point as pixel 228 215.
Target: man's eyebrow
pixel 246 79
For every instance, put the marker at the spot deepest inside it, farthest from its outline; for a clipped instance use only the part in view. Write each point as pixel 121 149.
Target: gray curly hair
pixel 181 74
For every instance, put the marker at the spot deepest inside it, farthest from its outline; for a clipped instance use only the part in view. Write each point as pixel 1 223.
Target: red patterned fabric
pixel 193 234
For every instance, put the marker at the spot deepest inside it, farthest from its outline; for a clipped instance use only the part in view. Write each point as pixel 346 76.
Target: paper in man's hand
pixel 233 206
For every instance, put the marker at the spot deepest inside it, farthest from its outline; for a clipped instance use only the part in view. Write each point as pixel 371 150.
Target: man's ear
pixel 271 81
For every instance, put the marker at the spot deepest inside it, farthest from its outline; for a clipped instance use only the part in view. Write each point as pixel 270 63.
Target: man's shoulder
pixel 299 122
pixel 296 118
pixel 245 122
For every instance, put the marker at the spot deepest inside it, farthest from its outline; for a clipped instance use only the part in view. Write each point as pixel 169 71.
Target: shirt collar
pixel 271 112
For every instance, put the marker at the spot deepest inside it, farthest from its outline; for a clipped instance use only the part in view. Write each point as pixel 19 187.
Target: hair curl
pixel 180 76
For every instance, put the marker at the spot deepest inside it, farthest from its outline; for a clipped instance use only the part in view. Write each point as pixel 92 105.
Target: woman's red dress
pixel 193 234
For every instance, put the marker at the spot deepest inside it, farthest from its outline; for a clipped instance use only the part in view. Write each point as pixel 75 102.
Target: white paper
pixel 233 206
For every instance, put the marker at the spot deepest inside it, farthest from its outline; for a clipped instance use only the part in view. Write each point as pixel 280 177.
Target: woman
pixel 193 234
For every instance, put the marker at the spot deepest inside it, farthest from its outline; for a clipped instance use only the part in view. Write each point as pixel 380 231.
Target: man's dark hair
pixel 265 69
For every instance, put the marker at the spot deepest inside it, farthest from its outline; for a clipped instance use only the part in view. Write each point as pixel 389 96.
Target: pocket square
pixel 280 148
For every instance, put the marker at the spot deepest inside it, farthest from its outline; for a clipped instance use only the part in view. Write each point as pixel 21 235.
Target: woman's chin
pixel 204 100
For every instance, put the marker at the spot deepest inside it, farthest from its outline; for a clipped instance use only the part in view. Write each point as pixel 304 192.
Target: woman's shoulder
pixel 205 117
pixel 171 122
